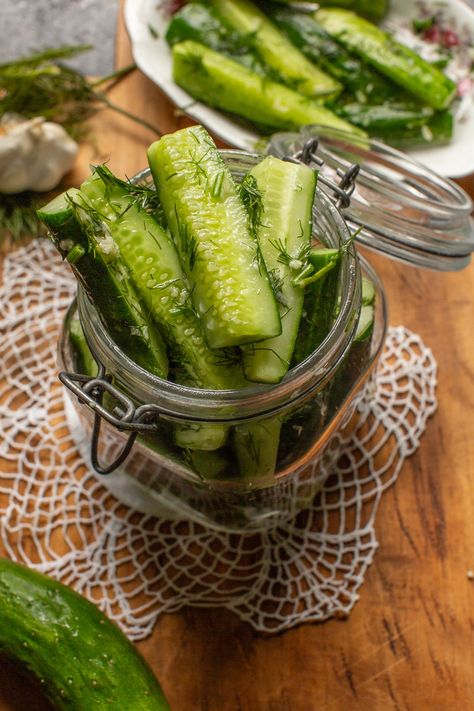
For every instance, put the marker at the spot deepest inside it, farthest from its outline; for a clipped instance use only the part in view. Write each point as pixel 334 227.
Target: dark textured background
pixel 30 25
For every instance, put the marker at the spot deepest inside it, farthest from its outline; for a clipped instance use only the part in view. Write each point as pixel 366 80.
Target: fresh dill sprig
pixel 143 196
pixel 18 216
pixel 252 199
pixel 276 283
pixel 40 85
pixel 188 243
pixel 307 276
pixel 217 183
pixel 227 357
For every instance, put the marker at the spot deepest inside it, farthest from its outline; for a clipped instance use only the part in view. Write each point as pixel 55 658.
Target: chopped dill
pixel 144 197
pixel 252 199
pixel 283 256
pixel 277 282
pixel 185 309
pixel 188 243
pixel 217 183
pixel 199 171
pixel 227 357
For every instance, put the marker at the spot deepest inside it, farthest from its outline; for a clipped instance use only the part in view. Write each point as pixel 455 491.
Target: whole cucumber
pixel 81 658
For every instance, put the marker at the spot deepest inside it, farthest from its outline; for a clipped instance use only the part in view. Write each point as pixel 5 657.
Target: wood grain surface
pixel 408 644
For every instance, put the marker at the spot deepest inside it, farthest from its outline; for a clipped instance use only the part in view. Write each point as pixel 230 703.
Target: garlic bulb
pixel 34 154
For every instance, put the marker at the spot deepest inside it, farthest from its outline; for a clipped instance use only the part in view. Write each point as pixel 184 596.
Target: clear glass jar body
pixel 280 439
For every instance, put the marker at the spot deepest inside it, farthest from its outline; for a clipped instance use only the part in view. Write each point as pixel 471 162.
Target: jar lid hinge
pixel 343 190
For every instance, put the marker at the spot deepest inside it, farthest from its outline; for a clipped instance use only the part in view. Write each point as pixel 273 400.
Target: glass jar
pixel 280 439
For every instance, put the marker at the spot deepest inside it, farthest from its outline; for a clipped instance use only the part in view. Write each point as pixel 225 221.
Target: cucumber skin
pixel 385 119
pixel 374 10
pixel 204 437
pixel 256 447
pixel 318 308
pixel 84 359
pixel 437 131
pixel 390 57
pixel 227 85
pixel 355 362
pixel 82 659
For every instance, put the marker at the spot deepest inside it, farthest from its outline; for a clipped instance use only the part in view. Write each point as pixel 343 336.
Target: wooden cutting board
pixel 408 644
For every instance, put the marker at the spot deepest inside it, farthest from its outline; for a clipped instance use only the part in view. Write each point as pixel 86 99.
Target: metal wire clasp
pixel 342 190
pixel 125 416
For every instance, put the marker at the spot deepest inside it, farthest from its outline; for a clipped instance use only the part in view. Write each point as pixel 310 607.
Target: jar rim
pixel 197 404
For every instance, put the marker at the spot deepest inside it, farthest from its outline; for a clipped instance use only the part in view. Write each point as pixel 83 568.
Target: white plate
pixel 152 55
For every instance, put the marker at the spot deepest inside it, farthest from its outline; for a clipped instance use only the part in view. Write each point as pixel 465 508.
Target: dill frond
pixel 187 243
pixel 252 199
pixel 18 216
pixel 40 85
pixel 227 357
pixel 277 282
pixel 143 196
pixel 217 183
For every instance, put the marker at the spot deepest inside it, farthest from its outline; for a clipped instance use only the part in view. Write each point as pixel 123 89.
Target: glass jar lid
pixel 402 208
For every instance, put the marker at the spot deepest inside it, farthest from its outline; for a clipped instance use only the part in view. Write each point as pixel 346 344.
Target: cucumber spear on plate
pixel 400 63
pixel 224 83
pixel 319 47
pixel 283 58
pixel 201 23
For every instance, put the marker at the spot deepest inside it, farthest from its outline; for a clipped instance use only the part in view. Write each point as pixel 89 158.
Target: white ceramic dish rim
pixel 153 57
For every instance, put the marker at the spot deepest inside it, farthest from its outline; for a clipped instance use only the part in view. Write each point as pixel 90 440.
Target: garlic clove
pixel 34 155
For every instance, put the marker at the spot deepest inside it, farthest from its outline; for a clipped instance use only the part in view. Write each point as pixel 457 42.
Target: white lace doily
pixel 57 516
